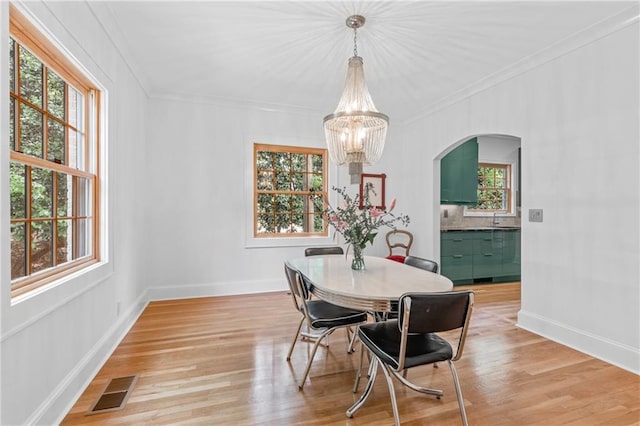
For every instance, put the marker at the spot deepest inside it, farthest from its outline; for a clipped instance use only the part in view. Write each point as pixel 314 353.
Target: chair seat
pixel 326 315
pixel 397 258
pixel 383 338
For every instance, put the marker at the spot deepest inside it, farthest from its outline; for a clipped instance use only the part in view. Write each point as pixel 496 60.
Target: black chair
pixel 316 251
pixel 322 318
pixel 418 262
pixel 410 341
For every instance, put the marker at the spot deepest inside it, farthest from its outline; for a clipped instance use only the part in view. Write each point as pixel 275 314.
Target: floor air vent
pixel 114 396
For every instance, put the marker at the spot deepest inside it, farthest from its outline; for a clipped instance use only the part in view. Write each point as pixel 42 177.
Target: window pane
pixel 282 161
pixel 318 223
pixel 297 223
pixel 266 223
pixel 73 149
pixel 73 107
pixel 56 141
pixel 283 203
pixel 298 203
pixel 318 204
pixel 265 203
pixel 17 173
pixel 41 192
pixel 12 124
pixel 65 195
pixel 30 77
pixel 55 94
pixel 18 250
pixel 31 131
pixel 80 151
pixel 283 222
pixel 265 181
pixel 41 245
pixel 64 248
pixel 299 162
pixel 79 111
pixel 84 237
pixel 12 65
pixel 299 182
pixel 316 183
pixel 84 197
pixel 263 160
pixel 317 163
pixel 283 181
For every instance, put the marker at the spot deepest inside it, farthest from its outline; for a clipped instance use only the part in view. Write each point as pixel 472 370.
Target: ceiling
pixel 294 54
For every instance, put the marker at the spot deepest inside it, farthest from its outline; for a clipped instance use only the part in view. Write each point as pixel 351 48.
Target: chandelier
pixel 356 131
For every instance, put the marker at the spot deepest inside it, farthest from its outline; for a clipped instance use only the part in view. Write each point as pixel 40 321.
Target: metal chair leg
pixel 313 354
pixel 295 339
pixel 392 394
pixel 463 412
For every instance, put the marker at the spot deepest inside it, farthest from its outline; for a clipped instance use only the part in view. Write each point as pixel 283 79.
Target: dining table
pixel 377 288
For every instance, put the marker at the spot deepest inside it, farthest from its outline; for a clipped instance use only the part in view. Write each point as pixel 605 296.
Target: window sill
pixel 288 242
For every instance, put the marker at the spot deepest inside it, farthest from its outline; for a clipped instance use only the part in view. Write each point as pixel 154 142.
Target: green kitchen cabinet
pixel 459 175
pixel 511 254
pixel 480 255
pixel 456 256
pixel 487 254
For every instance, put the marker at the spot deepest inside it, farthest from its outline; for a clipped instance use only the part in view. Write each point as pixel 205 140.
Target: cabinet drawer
pixel 457 266
pixel 487 265
pixel 455 247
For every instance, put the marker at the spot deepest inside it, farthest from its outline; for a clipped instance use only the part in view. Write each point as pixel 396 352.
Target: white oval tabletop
pixel 375 288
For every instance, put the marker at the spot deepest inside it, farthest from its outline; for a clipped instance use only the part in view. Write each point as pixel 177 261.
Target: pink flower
pixel 341 226
pixel 392 205
pixel 374 212
pixel 333 217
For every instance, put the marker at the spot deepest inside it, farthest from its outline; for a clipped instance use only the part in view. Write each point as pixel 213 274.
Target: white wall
pixel 53 343
pixel 577 117
pixel 199 234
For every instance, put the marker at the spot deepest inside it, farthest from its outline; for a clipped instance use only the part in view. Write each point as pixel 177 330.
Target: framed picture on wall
pixel 376 192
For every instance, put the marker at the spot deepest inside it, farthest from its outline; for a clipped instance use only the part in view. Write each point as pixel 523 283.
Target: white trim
pixel 56 406
pixel 332 180
pixel 229 288
pixel 618 354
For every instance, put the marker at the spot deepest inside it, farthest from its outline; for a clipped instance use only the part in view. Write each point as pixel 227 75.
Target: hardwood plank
pixel 221 360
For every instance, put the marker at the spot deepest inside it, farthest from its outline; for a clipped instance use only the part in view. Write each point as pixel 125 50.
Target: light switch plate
pixel 535 215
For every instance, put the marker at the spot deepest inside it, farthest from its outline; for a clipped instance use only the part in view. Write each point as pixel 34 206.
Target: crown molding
pixel 575 41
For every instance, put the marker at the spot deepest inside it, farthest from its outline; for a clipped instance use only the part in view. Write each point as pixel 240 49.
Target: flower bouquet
pixel 359 226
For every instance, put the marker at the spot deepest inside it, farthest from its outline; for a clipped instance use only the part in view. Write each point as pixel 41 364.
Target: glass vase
pixel 358 258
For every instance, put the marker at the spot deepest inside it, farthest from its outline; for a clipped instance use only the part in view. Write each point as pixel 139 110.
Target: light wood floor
pixel 221 360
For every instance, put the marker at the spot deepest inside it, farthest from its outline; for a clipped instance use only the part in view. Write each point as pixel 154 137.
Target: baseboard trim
pixel 188 291
pixel 59 403
pixel 615 353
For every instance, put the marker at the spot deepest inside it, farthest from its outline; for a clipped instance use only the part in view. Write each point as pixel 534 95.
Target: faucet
pixel 495 219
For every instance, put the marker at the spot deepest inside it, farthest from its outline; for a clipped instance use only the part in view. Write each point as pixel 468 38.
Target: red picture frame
pixel 376 197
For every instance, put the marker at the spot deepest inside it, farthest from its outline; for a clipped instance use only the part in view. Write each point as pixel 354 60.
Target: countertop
pixel 480 228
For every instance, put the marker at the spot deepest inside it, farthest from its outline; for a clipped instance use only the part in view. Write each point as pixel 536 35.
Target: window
pixel 53 161
pixel 290 191
pixel 494 188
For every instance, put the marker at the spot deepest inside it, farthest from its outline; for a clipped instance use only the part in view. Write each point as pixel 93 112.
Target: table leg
pixel 367 391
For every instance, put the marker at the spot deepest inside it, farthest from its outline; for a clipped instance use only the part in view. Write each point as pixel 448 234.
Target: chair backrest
pixel 298 288
pixel 422 313
pixel 401 239
pixel 418 262
pixel 315 251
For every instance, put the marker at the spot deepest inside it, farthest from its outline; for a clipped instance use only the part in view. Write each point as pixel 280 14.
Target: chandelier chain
pixel 355 42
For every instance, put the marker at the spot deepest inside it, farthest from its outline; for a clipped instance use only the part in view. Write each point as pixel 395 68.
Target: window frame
pixel 508 167
pixel 262 147
pixel 26 35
